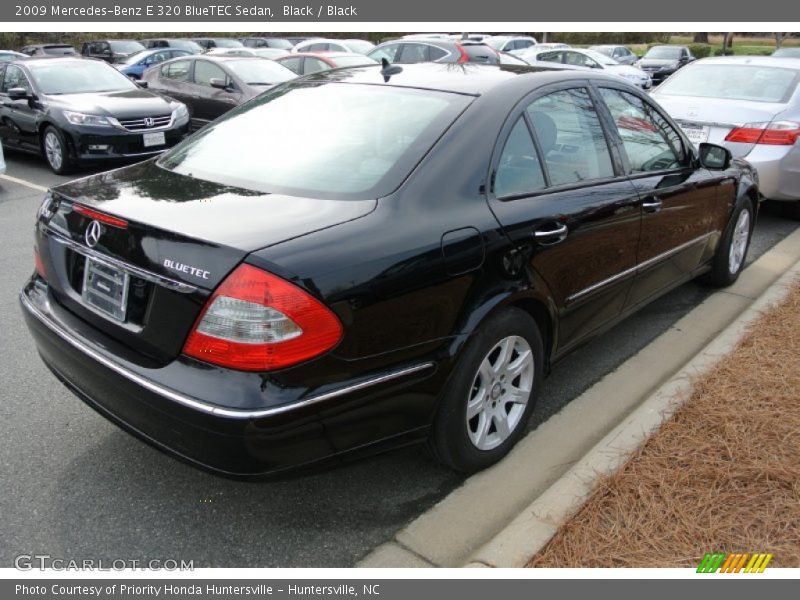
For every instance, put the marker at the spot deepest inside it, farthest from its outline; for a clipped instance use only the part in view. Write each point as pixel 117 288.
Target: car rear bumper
pixel 225 439
pixel 778 170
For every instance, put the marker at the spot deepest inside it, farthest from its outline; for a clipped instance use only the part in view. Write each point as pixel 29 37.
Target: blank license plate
pixel 154 139
pixel 697 134
pixel 105 288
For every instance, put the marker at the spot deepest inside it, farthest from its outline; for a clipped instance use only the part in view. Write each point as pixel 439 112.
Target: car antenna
pixel 388 69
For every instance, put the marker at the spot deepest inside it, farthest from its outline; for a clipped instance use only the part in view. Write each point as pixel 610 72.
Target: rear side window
pixel 650 142
pixel 177 71
pixel 414 53
pixel 292 63
pixel 314 65
pixel 571 138
pixel 335 141
pixel 519 170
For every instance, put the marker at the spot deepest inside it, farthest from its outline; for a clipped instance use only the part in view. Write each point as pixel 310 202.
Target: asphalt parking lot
pixel 75 486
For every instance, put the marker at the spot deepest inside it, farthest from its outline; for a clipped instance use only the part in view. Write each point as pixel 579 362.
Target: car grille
pixel 145 123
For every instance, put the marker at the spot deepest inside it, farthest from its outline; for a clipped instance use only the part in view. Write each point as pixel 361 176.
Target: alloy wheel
pixel 500 392
pixel 52 148
pixel 741 235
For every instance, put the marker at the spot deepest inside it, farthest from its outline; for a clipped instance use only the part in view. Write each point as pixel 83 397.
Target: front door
pixel 560 194
pixel 678 199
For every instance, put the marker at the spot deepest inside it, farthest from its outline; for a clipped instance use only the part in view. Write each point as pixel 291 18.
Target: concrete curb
pixel 455 531
pixel 535 526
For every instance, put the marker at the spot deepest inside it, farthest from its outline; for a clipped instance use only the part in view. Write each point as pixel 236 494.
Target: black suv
pixel 435 50
pixel 112 51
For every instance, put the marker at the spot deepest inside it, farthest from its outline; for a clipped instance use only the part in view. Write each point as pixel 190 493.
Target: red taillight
pixel 464 57
pixel 98 216
pixel 777 133
pixel 255 321
pixel 37 261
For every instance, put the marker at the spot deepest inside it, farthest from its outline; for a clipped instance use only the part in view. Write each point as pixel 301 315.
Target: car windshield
pixel 360 46
pixel 496 42
pixel 136 57
pixel 226 43
pixel 125 46
pixel 78 77
pixel 327 140
pixel 258 71
pixel 664 52
pixel 733 82
pixel 352 61
pixel 601 58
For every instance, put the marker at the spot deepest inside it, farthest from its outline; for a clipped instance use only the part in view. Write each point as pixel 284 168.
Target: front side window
pixel 570 136
pixel 389 52
pixel 414 53
pixel 650 142
pixel 15 78
pixel 177 71
pixel 205 71
pixel 518 171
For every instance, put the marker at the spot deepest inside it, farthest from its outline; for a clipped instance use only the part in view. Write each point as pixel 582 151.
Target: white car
pixel 2 160
pixel 588 59
pixel 326 45
pixel 750 105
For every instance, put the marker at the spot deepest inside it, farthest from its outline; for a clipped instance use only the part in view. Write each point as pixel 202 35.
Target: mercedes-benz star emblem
pixel 92 235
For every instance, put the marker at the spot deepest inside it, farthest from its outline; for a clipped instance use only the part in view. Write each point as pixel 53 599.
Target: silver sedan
pixel 749 104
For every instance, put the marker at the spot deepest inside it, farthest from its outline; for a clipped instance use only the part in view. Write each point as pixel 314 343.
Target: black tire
pixel 722 271
pixel 450 439
pixel 54 147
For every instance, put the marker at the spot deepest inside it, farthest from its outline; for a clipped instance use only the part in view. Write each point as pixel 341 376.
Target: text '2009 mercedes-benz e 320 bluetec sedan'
pixel 373 256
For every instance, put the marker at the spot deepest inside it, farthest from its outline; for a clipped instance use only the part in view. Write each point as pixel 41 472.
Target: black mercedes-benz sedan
pixel 75 111
pixel 374 256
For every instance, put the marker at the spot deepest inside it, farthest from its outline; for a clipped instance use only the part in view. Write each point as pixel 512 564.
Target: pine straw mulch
pixel 722 475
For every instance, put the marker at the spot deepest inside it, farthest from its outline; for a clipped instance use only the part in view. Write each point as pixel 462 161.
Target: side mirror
pixel 716 158
pixel 220 84
pixel 141 84
pixel 18 93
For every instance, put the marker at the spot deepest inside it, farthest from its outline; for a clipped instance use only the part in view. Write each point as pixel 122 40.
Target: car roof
pixel 335 54
pixel 472 79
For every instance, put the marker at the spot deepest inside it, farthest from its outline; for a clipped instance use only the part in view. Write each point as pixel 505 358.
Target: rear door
pixel 679 201
pixel 559 192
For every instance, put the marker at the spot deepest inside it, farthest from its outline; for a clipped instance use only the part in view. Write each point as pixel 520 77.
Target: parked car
pixel 177 43
pixel 271 53
pixel 212 85
pixel 662 61
pixel 509 43
pixel 267 42
pixel 49 50
pixel 750 105
pixel 589 59
pixel 76 111
pixel 136 64
pixel 306 63
pixel 434 50
pixel 113 51
pixel 343 267
pixel 7 55
pixel 787 52
pixel 622 54
pixel 209 43
pixel 325 45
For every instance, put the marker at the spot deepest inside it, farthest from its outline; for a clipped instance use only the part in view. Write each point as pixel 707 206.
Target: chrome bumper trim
pixel 211 409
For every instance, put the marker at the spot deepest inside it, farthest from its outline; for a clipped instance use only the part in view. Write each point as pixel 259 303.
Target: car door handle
pixel 551 236
pixel 652 205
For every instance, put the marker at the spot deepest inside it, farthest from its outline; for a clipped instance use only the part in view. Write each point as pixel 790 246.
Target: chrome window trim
pixel 636 268
pixel 172 284
pixel 205 407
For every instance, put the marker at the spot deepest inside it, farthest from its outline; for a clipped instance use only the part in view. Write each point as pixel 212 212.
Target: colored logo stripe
pixel 734 563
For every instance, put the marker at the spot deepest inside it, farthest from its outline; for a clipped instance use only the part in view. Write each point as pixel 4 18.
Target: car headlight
pixel 181 113
pixel 77 118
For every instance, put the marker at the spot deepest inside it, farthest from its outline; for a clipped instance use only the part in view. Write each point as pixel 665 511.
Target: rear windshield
pixel 125 46
pixel 325 140
pixel 733 82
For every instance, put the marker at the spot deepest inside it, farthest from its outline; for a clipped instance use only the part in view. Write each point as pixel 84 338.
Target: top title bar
pixel 392 11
